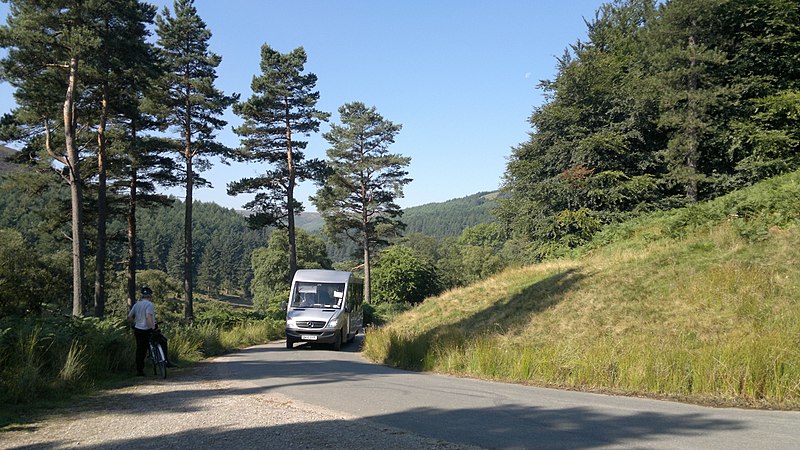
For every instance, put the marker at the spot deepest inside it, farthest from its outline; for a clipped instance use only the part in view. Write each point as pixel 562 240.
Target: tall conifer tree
pixel 119 69
pixel 281 108
pixel 47 44
pixel 693 91
pixel 358 198
pixel 192 105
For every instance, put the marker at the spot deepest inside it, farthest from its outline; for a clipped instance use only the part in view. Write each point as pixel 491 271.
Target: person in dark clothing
pixel 143 317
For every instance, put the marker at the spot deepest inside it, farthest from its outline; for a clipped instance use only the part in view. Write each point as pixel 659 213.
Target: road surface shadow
pixel 501 426
pixel 571 428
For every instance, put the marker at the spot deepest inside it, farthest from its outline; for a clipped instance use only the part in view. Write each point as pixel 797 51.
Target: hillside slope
pixel 698 304
pixel 5 164
pixel 448 218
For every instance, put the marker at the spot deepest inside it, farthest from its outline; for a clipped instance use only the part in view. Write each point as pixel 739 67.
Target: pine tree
pixel 281 108
pixel 192 105
pixel 693 93
pixel 358 198
pixel 47 44
pixel 122 66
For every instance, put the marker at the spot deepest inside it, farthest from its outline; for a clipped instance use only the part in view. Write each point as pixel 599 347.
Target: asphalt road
pixel 498 415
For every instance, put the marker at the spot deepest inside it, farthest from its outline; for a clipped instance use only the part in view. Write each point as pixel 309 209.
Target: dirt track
pixel 194 409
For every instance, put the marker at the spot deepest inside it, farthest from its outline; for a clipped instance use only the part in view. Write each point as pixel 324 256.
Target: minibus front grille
pixel 310 324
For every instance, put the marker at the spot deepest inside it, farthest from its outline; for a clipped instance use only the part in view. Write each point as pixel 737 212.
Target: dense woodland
pixel 223 241
pixel 665 104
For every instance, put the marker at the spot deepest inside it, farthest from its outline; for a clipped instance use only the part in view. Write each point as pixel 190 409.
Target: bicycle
pixel 157 357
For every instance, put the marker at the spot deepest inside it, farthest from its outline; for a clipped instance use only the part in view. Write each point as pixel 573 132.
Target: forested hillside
pixel 663 105
pixel 450 218
pixel 439 220
pixel 222 245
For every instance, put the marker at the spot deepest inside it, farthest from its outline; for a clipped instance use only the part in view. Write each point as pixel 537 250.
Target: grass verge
pixel 698 304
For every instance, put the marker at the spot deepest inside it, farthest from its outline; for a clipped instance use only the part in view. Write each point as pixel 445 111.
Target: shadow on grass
pixel 504 316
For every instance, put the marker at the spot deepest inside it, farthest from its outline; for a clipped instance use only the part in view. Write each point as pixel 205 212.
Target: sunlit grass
pixel 708 312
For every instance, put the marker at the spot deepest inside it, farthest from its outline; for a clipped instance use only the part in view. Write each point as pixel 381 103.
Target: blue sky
pixel 460 76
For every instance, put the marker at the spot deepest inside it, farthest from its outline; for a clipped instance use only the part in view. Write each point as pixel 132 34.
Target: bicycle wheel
pixel 161 361
pixel 153 358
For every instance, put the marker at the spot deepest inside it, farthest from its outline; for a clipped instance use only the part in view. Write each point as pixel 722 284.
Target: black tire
pixel 161 362
pixel 337 344
pixel 153 359
pixel 289 343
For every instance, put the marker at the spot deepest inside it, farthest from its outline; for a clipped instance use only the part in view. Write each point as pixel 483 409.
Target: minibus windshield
pixel 317 295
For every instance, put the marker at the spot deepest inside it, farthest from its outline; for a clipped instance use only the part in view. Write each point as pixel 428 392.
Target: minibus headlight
pixel 290 323
pixel 333 322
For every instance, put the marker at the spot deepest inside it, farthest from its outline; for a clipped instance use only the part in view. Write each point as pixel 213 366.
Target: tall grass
pixel 699 304
pixel 193 342
pixel 49 357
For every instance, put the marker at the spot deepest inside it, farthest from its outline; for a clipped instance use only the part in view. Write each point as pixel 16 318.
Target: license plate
pixel 309 337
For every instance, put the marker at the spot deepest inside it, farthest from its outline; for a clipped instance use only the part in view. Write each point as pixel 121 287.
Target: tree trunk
pixel 365 243
pixel 187 234
pixel 367 272
pixel 100 260
pixel 691 131
pixel 73 160
pixel 187 218
pixel 290 197
pixel 132 222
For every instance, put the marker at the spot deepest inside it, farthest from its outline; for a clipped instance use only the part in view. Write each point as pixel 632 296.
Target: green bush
pixel 28 280
pixel 49 355
pixel 403 276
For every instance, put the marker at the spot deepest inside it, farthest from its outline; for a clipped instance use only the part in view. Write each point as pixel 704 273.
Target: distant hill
pixel 309 221
pixel 439 220
pixel 5 165
pixel 450 218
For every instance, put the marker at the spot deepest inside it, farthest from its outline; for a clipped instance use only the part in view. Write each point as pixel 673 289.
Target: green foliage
pixel 401 276
pixel 476 254
pixel 753 212
pixel 46 356
pixel 29 280
pixel 380 314
pixel 665 104
pixel 206 339
pixel 52 356
pixel 167 294
pixel 271 276
pixel 222 241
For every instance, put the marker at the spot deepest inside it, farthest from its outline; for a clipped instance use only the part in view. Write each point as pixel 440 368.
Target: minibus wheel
pixel 337 344
pixel 289 343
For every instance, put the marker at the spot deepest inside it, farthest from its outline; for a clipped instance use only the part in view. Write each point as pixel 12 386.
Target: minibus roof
pixel 322 276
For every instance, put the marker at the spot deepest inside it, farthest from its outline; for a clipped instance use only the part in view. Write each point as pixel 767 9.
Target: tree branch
pixel 48 144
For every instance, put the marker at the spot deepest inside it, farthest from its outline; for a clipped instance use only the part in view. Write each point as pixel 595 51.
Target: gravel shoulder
pixel 196 408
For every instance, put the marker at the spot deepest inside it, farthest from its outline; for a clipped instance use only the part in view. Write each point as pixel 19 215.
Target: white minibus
pixel 325 306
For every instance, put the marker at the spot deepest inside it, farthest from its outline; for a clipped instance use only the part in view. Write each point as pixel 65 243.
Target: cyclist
pixel 143 316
